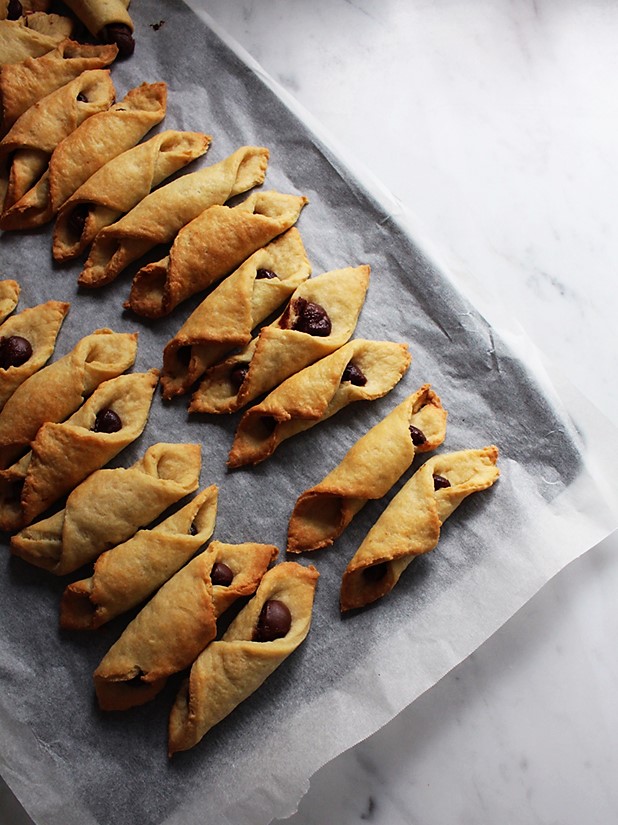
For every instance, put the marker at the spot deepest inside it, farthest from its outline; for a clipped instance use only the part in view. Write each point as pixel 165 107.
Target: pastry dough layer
pixel 159 216
pixel 56 391
pixel 316 393
pixel 278 352
pixel 64 454
pixel 411 523
pixel 40 326
pixel 176 625
pixel 109 507
pixel 119 185
pixel 129 573
pixel 96 14
pixel 367 471
pixel 23 84
pixel 230 670
pixel 210 247
pixel 225 318
pixel 9 297
pixel 18 42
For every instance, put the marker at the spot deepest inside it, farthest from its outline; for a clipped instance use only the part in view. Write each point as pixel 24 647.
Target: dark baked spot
pixel 265 273
pixel 82 98
pixel 120 34
pixel 156 26
pixel 418 436
pixel 354 375
pixel 14 10
pixel 14 351
pixel 238 375
pixel 269 422
pixel 183 354
pixel 375 573
pixel 439 482
pixel 274 622
pixel 221 574
pixel 107 421
pixel 77 219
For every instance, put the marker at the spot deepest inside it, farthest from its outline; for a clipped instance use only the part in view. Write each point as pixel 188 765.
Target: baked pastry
pixel 411 523
pixel 64 454
pixel 359 371
pixel 170 632
pixel 159 216
pixel 271 626
pixel 367 471
pixel 109 507
pixel 119 185
pixel 56 391
pixel 320 317
pixel 19 41
pixel 225 318
pixel 211 247
pixel 129 573
pixel 27 341
pixel 23 84
pixel 9 297
pixel 25 151
pixel 108 20
pixel 97 140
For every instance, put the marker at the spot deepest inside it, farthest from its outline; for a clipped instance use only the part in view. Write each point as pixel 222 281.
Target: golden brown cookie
pixel 109 507
pixel 56 391
pixel 367 471
pixel 170 632
pixel 359 371
pixel 64 454
pixel 320 317
pixel 96 141
pixel 23 84
pixel 129 573
pixel 108 20
pixel 271 627
pixel 211 247
pixel 19 42
pixel 159 216
pixel 9 297
pixel 119 185
pixel 27 341
pixel 411 523
pixel 25 151
pixel 225 318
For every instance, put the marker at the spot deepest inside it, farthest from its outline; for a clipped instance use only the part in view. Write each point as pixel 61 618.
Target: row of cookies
pixel 28 28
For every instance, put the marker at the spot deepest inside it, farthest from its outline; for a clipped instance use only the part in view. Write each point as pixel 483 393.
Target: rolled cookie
pixel 109 507
pixel 271 627
pixel 56 391
pixel 367 471
pixel 119 185
pixel 64 454
pixel 211 247
pixel 320 317
pixel 9 297
pixel 26 150
pixel 96 141
pixel 170 632
pixel 411 523
pixel 129 573
pixel 225 318
pixel 108 20
pixel 360 371
pixel 159 216
pixel 27 341
pixel 23 84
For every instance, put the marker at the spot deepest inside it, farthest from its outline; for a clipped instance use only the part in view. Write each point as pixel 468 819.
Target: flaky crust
pixel 23 84
pixel 225 318
pixel 96 141
pixel 367 471
pixel 109 507
pixel 27 148
pixel 119 185
pixel 64 454
pixel 40 326
pixel 411 523
pixel 129 573
pixel 210 247
pixel 18 42
pixel 56 391
pixel 278 352
pixel 314 394
pixel 159 216
pixel 96 14
pixel 9 297
pixel 229 671
pixel 171 631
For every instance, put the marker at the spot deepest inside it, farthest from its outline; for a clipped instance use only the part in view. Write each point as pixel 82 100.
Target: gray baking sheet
pixel 68 763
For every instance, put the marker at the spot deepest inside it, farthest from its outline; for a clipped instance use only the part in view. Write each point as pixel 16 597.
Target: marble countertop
pixel 495 124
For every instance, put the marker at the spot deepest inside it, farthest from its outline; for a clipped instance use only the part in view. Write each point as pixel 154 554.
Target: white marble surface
pixel 496 124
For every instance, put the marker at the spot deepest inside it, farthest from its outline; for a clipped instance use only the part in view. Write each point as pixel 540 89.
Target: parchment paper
pixel 70 764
